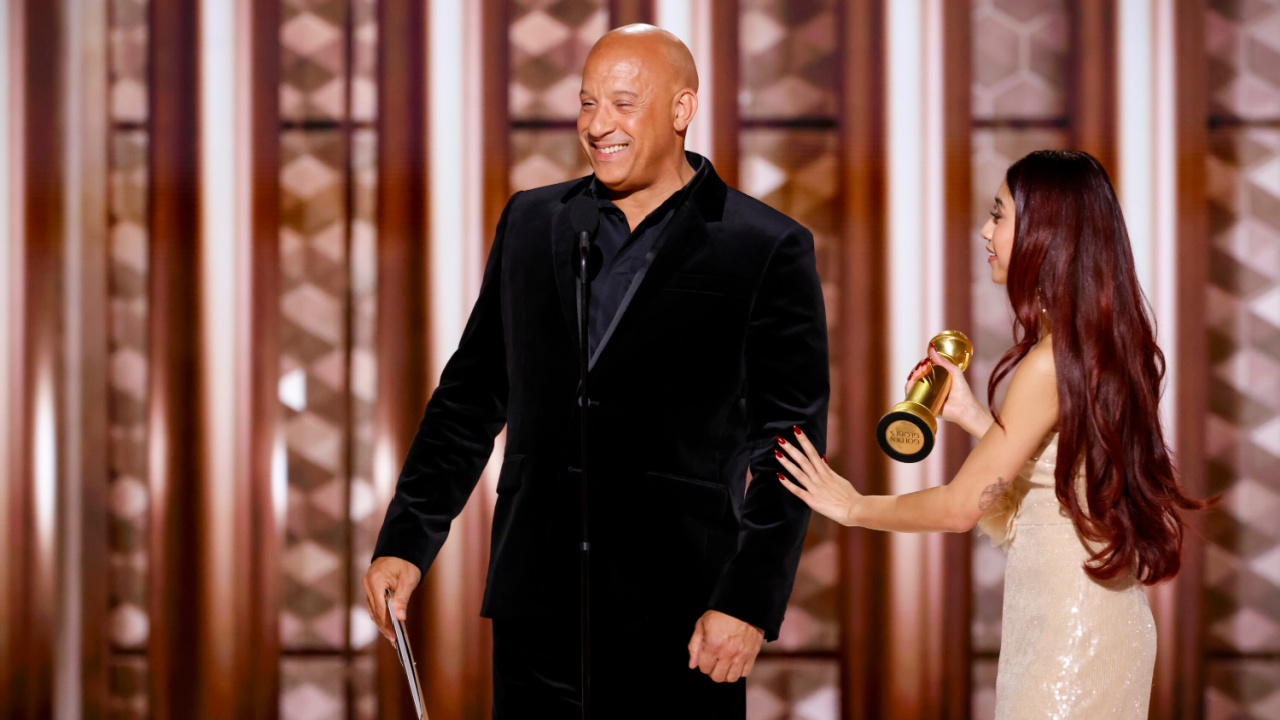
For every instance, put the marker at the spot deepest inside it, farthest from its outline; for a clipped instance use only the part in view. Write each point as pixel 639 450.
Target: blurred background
pixel 242 237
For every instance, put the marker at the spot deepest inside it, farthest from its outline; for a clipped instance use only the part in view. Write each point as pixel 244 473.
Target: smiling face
pixel 637 102
pixel 998 232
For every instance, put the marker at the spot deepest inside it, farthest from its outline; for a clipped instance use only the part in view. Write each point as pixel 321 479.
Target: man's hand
pixel 402 577
pixel 724 647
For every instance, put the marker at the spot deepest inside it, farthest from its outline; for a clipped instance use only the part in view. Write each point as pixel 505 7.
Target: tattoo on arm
pixel 992 494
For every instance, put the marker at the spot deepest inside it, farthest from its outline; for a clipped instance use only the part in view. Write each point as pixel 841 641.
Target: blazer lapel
pixel 563 246
pixel 684 235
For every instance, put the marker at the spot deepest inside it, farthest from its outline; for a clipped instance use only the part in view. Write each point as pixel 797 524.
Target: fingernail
pixel 781 441
pixel 824 458
pixel 781 476
pixel 778 453
pixel 796 428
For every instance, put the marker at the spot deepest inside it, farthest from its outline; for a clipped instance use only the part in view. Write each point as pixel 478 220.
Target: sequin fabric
pixel 1071 648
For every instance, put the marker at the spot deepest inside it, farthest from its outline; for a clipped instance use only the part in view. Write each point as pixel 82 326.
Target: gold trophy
pixel 906 433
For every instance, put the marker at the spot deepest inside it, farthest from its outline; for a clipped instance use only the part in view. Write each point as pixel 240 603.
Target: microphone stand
pixel 584 364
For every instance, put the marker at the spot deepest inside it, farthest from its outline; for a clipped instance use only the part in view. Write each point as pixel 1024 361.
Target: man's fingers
pixel 708 656
pixel 746 669
pixel 374 585
pixel 736 664
pixel 396 575
pixel 707 661
pixel 400 600
pixel 720 672
pixel 695 645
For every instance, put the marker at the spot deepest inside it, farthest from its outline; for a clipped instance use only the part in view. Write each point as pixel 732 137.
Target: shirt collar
pixel 597 190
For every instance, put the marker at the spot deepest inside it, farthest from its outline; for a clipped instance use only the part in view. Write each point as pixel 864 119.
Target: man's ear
pixel 686 107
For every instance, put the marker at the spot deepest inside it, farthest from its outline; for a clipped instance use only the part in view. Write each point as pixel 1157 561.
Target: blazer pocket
pixel 705 500
pixel 510 478
pixel 705 284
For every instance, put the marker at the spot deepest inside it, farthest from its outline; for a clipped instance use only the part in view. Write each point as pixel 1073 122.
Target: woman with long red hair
pixel 1074 476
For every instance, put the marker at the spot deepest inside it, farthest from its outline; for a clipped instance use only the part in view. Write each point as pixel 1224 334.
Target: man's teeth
pixel 610 150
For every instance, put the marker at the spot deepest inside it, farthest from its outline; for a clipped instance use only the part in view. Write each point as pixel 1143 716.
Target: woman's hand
pixel 960 406
pixel 815 482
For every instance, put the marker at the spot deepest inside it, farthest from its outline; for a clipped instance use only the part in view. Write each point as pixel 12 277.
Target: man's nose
pixel 602 123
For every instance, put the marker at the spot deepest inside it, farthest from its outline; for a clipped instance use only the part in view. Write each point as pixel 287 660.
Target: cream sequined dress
pixel 1071 648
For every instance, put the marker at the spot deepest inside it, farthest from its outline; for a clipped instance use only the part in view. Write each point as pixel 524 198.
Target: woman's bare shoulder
pixel 1036 378
pixel 1039 360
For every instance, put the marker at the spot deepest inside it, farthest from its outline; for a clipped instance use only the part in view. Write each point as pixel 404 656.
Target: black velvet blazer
pixel 722 347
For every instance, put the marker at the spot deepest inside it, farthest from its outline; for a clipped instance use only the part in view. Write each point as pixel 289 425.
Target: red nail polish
pixel 778 453
pixel 781 441
pixel 824 458
pixel 796 428
pixel 781 476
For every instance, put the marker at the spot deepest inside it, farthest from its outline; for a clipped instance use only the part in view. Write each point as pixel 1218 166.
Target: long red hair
pixel 1071 260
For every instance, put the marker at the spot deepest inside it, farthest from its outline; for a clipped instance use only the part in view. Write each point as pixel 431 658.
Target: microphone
pixel 584 215
pixel 584 218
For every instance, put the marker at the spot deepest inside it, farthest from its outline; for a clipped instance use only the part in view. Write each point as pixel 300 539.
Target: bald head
pixel 657 50
pixel 639 94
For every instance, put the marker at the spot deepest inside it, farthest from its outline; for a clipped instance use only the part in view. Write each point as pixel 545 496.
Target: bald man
pixel 707 340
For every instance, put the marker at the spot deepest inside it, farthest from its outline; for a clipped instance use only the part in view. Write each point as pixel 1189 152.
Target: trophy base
pixel 906 433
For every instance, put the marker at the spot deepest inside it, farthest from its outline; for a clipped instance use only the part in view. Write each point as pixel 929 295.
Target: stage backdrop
pixel 242 239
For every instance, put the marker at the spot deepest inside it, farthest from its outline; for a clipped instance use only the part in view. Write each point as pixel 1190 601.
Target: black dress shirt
pixel 625 254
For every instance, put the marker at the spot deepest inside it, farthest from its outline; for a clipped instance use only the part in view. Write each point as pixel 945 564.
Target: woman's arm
pixel 1030 412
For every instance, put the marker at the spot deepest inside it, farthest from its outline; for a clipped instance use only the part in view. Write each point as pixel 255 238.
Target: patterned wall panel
pixel 366 516
pixel 313 60
pixel 1243 690
pixel 127 288
pixel 328 301
pixel 544 157
pixel 364 61
pixel 1019 58
pixel 126 316
pixel 313 387
pixel 127 35
pixel 787 689
pixel 1243 43
pixel 984 688
pixel 549 42
pixel 313 689
pixel 1242 580
pixel 127 685
pixel 1242 563
pixel 789 58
